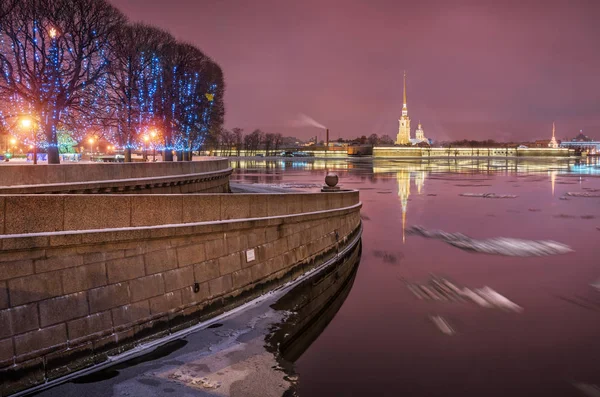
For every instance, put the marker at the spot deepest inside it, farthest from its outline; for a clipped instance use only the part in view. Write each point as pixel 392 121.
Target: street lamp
pixel 146 139
pixel 91 142
pixel 13 143
pixel 27 123
pixel 153 135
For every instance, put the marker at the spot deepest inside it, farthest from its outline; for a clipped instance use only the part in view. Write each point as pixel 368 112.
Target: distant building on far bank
pixel 582 138
pixel 403 136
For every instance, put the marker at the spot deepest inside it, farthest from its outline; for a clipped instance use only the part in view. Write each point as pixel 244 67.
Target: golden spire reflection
pixel 403 178
pixel 553 179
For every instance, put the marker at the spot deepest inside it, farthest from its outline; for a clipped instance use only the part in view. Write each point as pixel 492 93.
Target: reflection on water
pixel 404 178
pixel 312 305
pixel 382 341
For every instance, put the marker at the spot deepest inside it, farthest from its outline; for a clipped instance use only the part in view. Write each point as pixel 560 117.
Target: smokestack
pixel 327 140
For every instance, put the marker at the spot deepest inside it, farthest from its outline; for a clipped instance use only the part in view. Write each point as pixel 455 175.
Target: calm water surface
pixel 382 341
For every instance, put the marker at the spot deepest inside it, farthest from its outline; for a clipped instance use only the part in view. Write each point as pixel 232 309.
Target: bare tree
pixel 134 81
pixel 386 140
pixel 277 141
pixel 238 134
pixel 373 139
pixel 52 54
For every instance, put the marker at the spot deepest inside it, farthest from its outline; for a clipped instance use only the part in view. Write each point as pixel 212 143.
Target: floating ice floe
pixel 442 325
pixel 440 289
pixel 498 300
pixel 496 246
pixel 488 195
pixel 588 389
pixel 583 194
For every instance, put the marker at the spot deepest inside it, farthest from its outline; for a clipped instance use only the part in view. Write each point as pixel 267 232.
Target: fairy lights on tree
pixel 51 53
pixel 75 65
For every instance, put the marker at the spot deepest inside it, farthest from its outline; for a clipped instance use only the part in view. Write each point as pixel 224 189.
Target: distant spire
pixel 553 129
pixel 404 98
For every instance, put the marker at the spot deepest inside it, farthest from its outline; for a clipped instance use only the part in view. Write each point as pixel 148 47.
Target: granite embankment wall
pixel 399 151
pixel 69 298
pixel 207 175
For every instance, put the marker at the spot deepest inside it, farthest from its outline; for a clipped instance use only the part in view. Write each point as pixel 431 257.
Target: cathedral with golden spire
pixel 403 136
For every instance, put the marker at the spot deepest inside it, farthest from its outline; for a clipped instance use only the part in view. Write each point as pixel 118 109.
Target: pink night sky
pixel 499 70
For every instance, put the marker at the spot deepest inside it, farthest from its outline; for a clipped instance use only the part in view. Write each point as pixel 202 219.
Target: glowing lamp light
pixel 153 134
pixel 30 146
pixel 91 140
pixel 26 123
pixel 146 138
pixel 52 32
pixel 13 141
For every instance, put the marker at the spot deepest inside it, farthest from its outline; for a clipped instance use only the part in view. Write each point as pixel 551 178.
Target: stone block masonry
pixel 71 298
pixel 208 175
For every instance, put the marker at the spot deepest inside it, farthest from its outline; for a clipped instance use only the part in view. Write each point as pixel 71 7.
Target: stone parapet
pixel 71 298
pixel 207 175
pixel 55 213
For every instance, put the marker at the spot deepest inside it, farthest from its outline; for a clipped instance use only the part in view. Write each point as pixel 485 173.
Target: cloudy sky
pixel 482 69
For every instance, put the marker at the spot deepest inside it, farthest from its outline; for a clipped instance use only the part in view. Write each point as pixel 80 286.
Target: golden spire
pixel 404 98
pixel 553 130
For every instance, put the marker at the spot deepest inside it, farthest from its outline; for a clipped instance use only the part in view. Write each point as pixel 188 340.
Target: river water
pixel 388 323
pixel 383 341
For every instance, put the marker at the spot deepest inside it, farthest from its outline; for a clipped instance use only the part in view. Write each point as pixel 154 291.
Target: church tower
pixel 553 144
pixel 420 134
pixel 403 136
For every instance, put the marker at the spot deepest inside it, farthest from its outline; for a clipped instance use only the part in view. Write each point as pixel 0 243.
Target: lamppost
pixel 13 143
pixel 91 142
pixel 27 123
pixel 153 135
pixel 146 139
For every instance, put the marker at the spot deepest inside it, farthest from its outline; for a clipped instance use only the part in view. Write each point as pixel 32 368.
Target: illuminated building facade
pixel 403 136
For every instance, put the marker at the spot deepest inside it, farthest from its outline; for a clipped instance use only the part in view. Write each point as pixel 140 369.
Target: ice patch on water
pixel 488 195
pixel 583 194
pixel 495 246
pixel 587 389
pixel 498 300
pixel 442 325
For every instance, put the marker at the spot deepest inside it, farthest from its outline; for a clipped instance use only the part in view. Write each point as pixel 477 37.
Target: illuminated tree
pixel 53 55
pixel 134 84
pixel 192 99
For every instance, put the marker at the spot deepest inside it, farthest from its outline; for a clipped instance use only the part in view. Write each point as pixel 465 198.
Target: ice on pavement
pixel 496 246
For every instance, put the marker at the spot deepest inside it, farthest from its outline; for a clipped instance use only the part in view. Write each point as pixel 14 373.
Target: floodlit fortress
pixel 425 152
pixel 87 276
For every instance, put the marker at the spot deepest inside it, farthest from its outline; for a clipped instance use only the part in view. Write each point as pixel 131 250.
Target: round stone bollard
pixel 331 181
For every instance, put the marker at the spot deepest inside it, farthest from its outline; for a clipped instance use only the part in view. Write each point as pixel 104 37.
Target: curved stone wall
pixel 69 298
pixel 205 175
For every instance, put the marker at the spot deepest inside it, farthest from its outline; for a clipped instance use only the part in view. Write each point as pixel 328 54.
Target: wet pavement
pixel 420 316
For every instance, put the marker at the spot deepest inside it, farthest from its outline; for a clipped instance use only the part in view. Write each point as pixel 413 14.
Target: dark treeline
pixel 232 142
pixel 78 67
pixel 470 143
